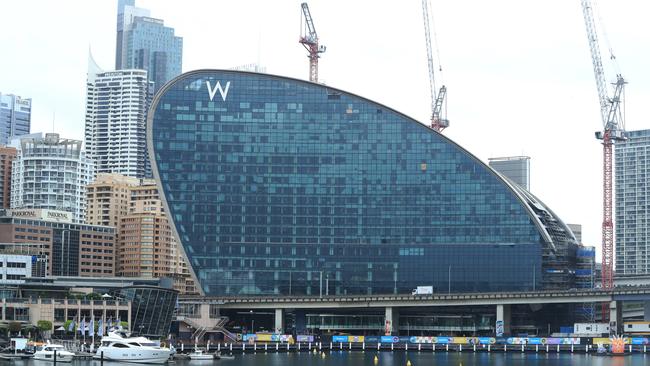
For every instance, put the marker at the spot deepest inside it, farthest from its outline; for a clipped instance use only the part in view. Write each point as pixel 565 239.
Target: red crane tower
pixel 613 131
pixel 309 39
pixel 438 123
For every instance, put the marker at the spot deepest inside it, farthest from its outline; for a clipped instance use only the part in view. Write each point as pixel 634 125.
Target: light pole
pixel 252 322
pixel 321 283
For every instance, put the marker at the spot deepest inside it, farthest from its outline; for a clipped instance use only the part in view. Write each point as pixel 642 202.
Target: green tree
pixel 66 325
pixel 15 327
pixel 44 325
pixel 124 325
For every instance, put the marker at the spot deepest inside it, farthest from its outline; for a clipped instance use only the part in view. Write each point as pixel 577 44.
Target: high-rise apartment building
pixel 116 108
pixel 15 116
pixel 109 198
pixel 7 156
pixel 632 202
pixel 515 168
pixel 51 173
pixel 146 43
pixel 146 245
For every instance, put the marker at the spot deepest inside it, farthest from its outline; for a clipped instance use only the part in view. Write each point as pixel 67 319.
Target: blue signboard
pixel 389 339
pixel 339 339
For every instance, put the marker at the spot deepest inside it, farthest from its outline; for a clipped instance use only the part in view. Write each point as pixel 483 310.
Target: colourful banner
pixel 264 337
pixel 305 338
pixel 643 341
pixel 389 339
pixel 356 339
pixel 339 339
pixel 482 340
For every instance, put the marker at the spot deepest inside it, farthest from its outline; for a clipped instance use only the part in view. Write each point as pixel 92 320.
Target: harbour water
pixel 345 358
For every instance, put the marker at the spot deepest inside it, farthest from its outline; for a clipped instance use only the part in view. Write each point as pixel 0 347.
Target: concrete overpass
pixel 454 299
pixel 392 303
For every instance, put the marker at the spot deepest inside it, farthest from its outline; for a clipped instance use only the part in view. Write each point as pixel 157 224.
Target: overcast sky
pixel 518 72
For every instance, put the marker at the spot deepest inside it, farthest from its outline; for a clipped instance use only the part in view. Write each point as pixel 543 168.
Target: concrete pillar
pixel 615 317
pixel 646 311
pixel 279 321
pixel 503 320
pixel 391 324
pixel 301 321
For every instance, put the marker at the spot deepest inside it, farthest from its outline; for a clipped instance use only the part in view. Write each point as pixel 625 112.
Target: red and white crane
pixel 438 123
pixel 309 39
pixel 613 131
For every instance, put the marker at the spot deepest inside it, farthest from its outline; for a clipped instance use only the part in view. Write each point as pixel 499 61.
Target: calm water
pixel 340 358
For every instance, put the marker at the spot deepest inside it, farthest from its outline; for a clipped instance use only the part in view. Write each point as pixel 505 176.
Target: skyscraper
pixel 116 107
pixel 632 187
pixel 144 42
pixel 51 173
pixel 515 168
pixel 15 116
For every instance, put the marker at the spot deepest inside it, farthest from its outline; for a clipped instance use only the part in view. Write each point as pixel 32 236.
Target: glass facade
pixel 15 116
pixel 153 47
pixel 632 174
pixel 281 186
pixel 151 309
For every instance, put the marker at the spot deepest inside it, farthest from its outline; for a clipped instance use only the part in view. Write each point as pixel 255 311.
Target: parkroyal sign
pixel 40 214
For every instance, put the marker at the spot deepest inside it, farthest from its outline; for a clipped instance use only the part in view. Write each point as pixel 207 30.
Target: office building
pixel 144 306
pixel 51 173
pixel 15 116
pixel 68 248
pixel 7 156
pixel 146 43
pixel 515 168
pixel 116 108
pixel 632 203
pixel 282 186
pixel 15 268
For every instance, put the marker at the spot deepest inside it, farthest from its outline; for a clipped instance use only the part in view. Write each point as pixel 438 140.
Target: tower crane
pixel 438 123
pixel 309 39
pixel 613 131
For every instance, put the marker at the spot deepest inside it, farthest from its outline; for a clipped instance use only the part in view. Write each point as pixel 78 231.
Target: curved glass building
pixel 282 186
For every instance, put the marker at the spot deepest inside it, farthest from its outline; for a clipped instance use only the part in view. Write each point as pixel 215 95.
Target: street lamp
pixel 252 322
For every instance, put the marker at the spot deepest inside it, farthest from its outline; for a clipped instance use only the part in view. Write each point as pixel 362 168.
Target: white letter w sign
pixel 212 91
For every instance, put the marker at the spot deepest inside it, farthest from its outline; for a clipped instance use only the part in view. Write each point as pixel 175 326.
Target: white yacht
pixel 46 353
pixel 199 355
pixel 119 347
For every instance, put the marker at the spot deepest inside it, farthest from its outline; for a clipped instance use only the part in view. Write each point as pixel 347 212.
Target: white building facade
pixel 632 200
pixel 116 108
pixel 15 268
pixel 51 173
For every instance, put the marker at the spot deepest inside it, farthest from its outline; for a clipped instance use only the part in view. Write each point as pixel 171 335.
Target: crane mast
pixel 438 123
pixel 613 131
pixel 309 39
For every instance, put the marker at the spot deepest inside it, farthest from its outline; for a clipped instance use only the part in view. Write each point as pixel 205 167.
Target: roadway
pixel 453 299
